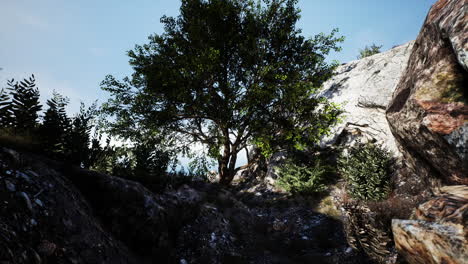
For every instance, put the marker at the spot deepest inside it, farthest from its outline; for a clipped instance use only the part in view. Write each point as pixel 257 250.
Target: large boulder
pixel 364 88
pixel 428 114
pixel 439 233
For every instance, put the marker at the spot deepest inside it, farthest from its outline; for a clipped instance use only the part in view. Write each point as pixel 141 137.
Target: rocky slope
pixel 427 128
pixel 53 213
pixel 429 117
pixel 364 88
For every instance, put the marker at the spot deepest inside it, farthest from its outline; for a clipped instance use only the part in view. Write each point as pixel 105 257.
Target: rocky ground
pixel 51 213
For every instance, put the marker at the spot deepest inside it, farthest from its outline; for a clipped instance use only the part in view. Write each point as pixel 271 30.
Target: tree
pixel 5 109
pixel 78 138
pixel 56 125
pixel 369 51
pixel 25 104
pixel 225 73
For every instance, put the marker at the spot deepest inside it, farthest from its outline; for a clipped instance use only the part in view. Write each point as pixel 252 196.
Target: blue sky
pixel 71 45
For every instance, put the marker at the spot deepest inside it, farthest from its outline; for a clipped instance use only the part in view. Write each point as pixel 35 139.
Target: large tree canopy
pixel 226 73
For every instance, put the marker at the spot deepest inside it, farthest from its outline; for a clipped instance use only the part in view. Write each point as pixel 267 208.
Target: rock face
pixel 364 87
pixel 439 233
pixel 429 111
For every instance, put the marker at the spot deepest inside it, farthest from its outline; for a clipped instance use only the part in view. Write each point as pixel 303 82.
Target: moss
pixel 327 207
pixel 445 87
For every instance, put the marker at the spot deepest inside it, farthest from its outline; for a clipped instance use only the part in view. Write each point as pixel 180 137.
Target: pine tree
pixel 56 125
pixel 78 139
pixel 5 109
pixel 25 104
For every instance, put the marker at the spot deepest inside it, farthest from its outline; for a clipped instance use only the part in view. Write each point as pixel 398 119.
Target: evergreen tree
pixel 56 125
pixel 5 109
pixel 78 138
pixel 25 104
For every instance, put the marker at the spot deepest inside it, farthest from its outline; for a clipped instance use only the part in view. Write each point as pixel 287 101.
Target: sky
pixel 70 46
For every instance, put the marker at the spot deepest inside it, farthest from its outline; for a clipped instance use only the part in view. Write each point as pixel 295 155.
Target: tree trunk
pixel 227 169
pixel 223 164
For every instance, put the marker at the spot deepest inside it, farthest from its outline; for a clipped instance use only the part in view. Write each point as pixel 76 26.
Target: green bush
pixel 369 51
pixel 302 179
pixel 366 169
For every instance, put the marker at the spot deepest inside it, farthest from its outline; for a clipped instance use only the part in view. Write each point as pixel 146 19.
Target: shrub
pixel 366 169
pixel 369 51
pixel 302 179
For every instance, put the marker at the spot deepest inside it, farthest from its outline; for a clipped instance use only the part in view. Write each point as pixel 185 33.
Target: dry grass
pixel 19 141
pixel 327 207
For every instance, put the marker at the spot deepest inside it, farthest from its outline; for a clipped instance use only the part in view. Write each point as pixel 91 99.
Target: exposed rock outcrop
pixel 429 117
pixel 364 88
pixel 439 232
pixel 429 111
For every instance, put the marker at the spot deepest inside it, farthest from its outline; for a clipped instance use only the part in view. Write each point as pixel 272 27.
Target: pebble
pixel 183 261
pixel 10 186
pixel 46 248
pixel 36 256
pixel 24 176
pixel 26 200
pixel 33 222
pixel 32 173
pixel 39 202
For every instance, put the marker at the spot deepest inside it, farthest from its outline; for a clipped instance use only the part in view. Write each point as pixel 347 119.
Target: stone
pixel 23 176
pixel 39 202
pixel 46 248
pixel 428 113
pixel 449 206
pixel 10 186
pixel 439 233
pixel 364 88
pixel 26 200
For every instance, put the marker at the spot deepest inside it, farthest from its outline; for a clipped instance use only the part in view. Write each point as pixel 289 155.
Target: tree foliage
pixel 79 140
pixel 303 179
pixel 56 125
pixel 144 161
pixel 58 135
pixel 225 73
pixel 6 119
pixel 369 51
pixel 25 103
